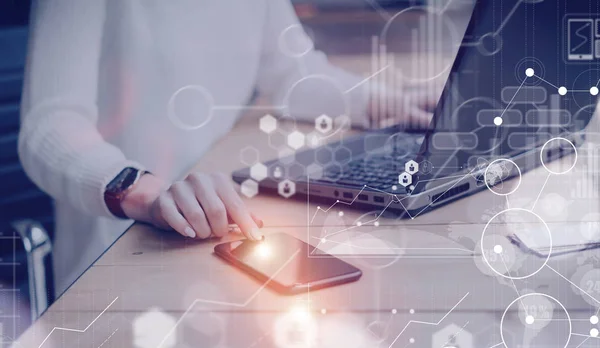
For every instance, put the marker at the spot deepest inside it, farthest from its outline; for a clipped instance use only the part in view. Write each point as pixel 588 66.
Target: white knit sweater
pixel 100 75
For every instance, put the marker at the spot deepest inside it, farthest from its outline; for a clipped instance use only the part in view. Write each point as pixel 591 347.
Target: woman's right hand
pixel 199 206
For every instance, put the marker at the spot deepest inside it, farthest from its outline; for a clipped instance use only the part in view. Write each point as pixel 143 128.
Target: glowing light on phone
pixel 263 250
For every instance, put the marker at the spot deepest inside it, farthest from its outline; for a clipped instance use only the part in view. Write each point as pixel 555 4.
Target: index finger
pixel 236 208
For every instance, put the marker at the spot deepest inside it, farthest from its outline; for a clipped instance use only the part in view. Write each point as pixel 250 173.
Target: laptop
pixel 466 149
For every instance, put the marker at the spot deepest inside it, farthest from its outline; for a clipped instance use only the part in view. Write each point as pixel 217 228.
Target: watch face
pixel 123 180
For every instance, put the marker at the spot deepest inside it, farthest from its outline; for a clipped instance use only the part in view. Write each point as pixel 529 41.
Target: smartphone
pixel 284 262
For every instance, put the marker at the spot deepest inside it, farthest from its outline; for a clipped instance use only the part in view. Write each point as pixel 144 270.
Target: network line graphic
pixel 498 121
pixel 394 199
pixel 495 34
pixel 80 330
pixel 497 249
pixel 229 304
pixel 428 322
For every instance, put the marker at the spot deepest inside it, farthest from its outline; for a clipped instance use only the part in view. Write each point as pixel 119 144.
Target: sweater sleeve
pixel 59 145
pixel 294 75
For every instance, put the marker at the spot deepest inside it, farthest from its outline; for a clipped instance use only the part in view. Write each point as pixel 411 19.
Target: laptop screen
pixel 523 75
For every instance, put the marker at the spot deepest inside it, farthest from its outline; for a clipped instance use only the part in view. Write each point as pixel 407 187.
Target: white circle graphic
pixel 521 210
pixel 562 90
pixel 530 319
pixel 197 99
pixel 294 42
pixel 496 172
pixel 529 72
pixel 542 152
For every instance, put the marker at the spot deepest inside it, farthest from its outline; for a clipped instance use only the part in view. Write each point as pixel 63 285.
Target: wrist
pixel 137 202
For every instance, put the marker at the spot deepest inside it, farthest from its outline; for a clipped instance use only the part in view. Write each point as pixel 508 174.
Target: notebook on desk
pixel 565 238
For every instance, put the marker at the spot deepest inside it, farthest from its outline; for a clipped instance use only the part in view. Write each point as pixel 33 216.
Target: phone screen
pixel 286 260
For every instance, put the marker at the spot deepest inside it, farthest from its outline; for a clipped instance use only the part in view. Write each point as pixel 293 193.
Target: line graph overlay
pixel 427 322
pixel 366 79
pixel 394 199
pixel 56 328
pixel 224 303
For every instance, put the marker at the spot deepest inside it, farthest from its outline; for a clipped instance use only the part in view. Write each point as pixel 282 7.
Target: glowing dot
pixel 497 120
pixel 529 319
pixel 412 187
pixel 323 240
pixel 411 311
pixel 341 213
pixel 376 223
pixel 300 313
pixel 594 319
pixel 498 249
pixel 594 90
pixel 263 250
pixel 359 223
pixel 394 311
pixel 562 90
pixel 394 187
pixel 529 72
pixel 323 311
pixel 594 332
pixel 319 207
pixel 411 340
pixel 338 201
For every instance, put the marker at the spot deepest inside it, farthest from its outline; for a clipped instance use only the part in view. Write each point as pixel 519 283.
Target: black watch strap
pixel 116 190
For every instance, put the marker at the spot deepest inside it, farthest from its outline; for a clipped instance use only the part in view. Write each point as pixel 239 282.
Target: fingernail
pixel 256 234
pixel 190 233
pixel 260 223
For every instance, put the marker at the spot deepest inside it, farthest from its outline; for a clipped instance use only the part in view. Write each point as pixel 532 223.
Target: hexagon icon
pixel 426 167
pixel 452 336
pixel 343 155
pixel 259 172
pixel 314 171
pixel 151 327
pixel 278 139
pixel 286 188
pixel 296 140
pixel 405 179
pixel 324 155
pixel 277 172
pixel 286 155
pixel 296 170
pixel 411 167
pixel 324 124
pixel 249 188
pixel 249 155
pixel 268 123
pixel 313 140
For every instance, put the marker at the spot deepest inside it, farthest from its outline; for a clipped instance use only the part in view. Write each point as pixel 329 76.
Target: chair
pixel 26 213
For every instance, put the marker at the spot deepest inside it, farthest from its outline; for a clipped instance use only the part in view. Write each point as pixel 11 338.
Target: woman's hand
pixel 411 108
pixel 199 206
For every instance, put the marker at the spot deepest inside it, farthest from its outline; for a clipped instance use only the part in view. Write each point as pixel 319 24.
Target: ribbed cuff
pixel 93 180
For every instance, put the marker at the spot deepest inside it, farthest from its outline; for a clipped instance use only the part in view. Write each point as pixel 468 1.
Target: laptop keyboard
pixel 379 170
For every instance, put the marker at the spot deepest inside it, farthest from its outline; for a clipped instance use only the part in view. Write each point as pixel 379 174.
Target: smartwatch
pixel 118 188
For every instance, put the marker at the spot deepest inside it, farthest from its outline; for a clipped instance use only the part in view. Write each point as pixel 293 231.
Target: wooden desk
pixel 163 287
